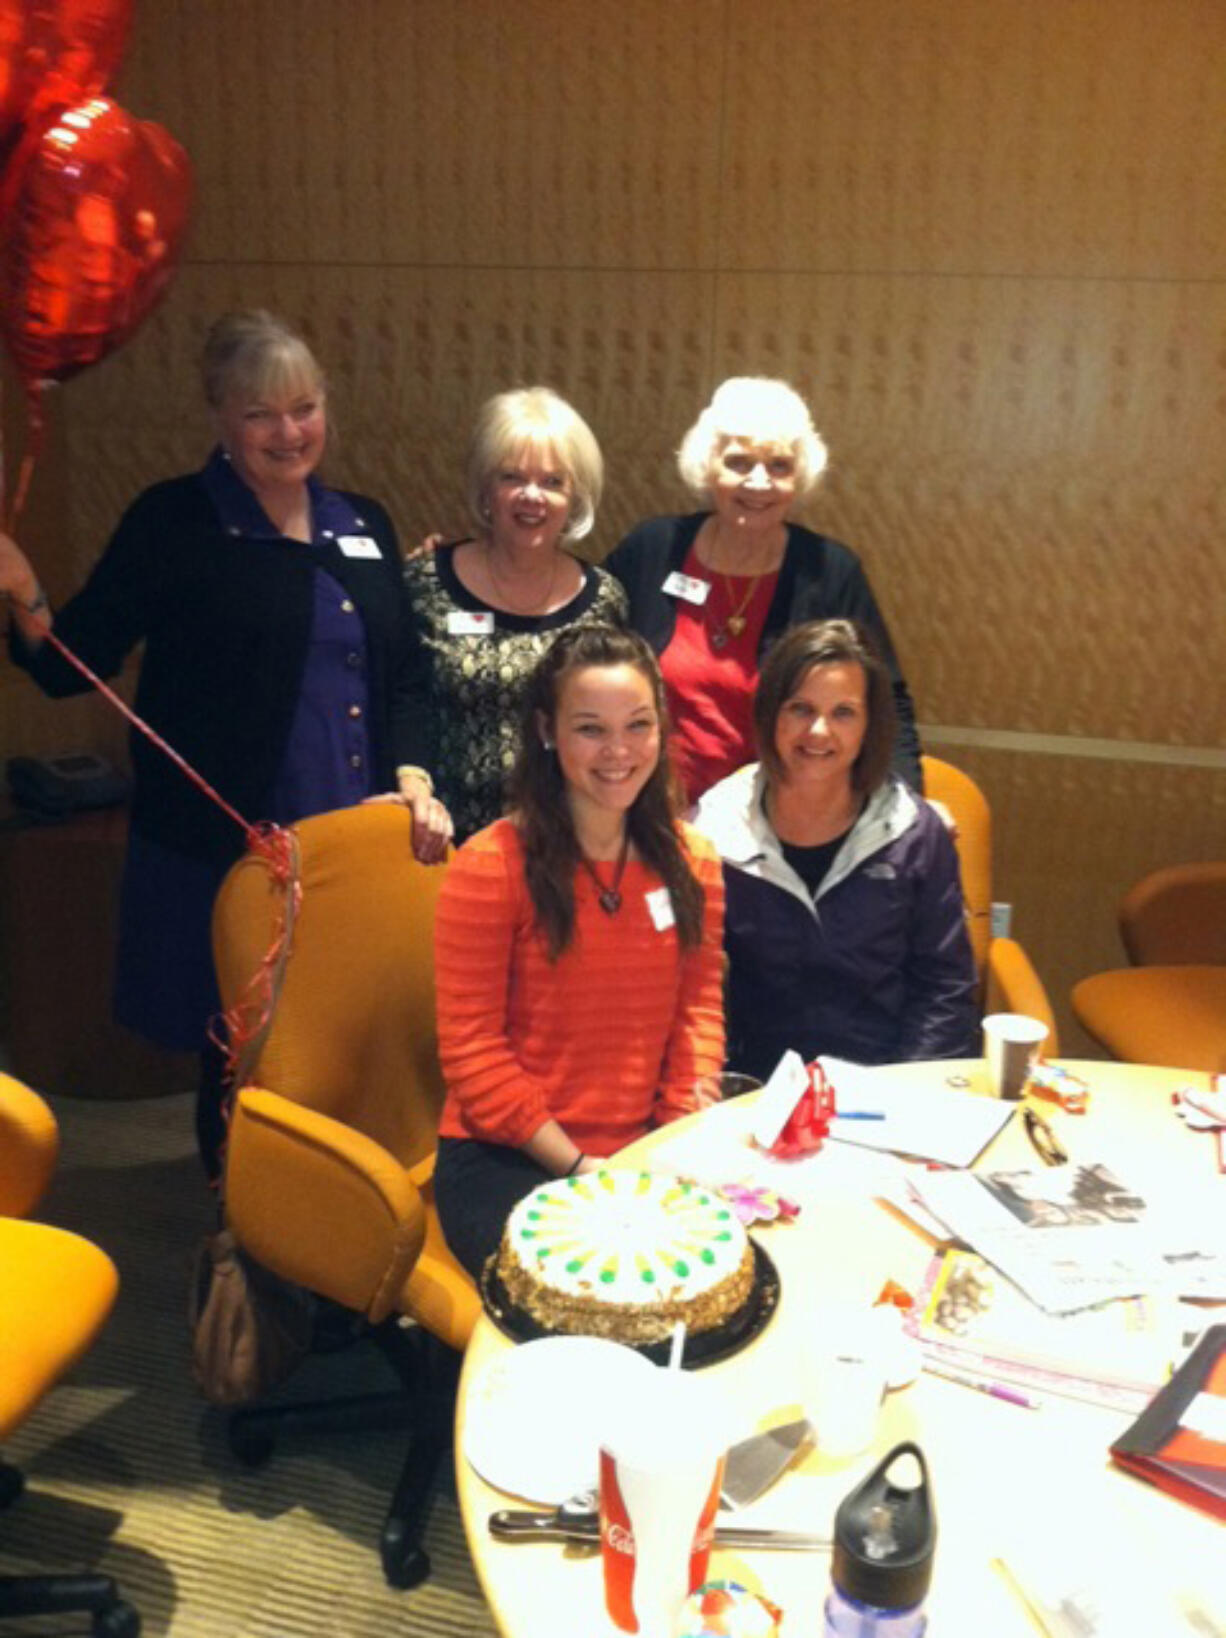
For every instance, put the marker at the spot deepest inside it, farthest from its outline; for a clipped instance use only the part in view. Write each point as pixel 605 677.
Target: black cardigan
pixel 226 623
pixel 819 579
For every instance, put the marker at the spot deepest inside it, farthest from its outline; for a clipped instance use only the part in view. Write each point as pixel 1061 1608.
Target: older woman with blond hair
pixel 274 628
pixel 485 608
pixel 713 590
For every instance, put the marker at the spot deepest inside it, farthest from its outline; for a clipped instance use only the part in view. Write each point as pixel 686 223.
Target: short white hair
pixel 535 418
pixel 761 411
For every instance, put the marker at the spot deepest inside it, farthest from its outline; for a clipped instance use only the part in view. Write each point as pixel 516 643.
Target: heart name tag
pixel 470 623
pixel 686 587
pixel 358 546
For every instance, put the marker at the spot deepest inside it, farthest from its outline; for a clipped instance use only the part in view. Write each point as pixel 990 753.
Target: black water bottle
pixel 885 1534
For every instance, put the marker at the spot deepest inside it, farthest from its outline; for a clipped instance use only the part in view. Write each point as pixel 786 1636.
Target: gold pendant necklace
pixel 734 623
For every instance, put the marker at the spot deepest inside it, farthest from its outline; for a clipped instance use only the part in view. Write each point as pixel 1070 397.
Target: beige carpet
pixel 128 1471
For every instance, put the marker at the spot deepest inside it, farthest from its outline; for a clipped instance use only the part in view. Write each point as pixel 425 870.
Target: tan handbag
pixel 249 1327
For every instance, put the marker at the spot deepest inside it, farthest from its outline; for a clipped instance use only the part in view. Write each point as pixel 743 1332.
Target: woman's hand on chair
pixel 432 826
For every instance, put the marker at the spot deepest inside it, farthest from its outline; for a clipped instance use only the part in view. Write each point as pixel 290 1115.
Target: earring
pixel 548 744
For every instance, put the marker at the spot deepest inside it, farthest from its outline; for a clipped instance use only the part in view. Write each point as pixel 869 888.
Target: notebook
pixel 1179 1440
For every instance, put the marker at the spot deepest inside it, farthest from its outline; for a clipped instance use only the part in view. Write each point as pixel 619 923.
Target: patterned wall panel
pixel 1057 137
pixel 439 133
pixel 1032 470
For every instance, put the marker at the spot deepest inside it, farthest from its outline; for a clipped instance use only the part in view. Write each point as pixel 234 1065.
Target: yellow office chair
pixel 56 1291
pixel 1169 1006
pixel 1008 980
pixel 960 794
pixel 1176 915
pixel 331 1143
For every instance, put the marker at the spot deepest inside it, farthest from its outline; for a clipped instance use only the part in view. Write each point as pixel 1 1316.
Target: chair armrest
pixel 29 1145
pixel 320 1203
pixel 1014 986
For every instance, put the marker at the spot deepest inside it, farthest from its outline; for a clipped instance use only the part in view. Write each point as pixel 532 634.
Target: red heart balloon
pixel 100 209
pixel 54 52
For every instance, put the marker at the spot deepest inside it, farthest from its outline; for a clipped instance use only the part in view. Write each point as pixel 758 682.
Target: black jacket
pixel 226 622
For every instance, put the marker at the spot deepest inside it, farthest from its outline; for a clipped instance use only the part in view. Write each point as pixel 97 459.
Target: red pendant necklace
pixel 609 898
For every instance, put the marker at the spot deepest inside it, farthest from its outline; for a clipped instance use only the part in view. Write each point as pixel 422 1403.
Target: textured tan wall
pixel 989 242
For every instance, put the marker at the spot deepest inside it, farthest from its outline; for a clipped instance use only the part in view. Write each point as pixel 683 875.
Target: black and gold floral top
pixel 473 672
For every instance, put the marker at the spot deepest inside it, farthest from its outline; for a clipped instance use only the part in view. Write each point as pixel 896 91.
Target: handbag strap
pixel 283 860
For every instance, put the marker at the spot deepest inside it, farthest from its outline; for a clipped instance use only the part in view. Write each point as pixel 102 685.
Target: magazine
pixel 969 1317
pixel 1074 1236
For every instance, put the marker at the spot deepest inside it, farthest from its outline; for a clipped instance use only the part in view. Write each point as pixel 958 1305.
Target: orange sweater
pixel 607 1039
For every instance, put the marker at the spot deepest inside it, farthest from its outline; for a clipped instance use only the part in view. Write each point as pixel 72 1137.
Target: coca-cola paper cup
pixel 661 1466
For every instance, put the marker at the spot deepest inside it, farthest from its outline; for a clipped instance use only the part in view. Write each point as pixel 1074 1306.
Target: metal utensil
pixel 750 1468
pixel 753 1465
pixel 518 1525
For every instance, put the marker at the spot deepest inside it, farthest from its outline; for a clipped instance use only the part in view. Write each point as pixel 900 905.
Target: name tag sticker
pixel 358 545
pixel 687 588
pixel 660 906
pixel 470 623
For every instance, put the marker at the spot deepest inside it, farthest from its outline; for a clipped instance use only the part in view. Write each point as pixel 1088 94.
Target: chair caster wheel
pixel 12 1483
pixel 119 1621
pixel 251 1447
pixel 405 1564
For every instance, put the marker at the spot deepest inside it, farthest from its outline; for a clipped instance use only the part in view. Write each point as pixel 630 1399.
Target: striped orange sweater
pixel 608 1040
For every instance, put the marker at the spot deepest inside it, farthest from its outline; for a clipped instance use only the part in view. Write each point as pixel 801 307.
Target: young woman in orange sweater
pixel 577 947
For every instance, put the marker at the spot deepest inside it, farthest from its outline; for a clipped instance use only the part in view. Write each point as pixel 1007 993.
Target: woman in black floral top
pixel 485 610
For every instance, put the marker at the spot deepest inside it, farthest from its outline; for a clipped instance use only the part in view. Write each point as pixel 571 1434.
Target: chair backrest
pixel 962 796
pixel 1013 985
pixel 353 1033
pixel 29 1145
pixel 1176 915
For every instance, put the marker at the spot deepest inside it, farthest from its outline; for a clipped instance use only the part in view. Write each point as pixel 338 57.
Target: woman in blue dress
pixel 273 618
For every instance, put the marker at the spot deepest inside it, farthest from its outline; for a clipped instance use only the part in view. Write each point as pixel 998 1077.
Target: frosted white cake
pixel 625 1255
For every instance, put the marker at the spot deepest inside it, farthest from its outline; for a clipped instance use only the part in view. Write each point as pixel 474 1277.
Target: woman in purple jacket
pixel 844 930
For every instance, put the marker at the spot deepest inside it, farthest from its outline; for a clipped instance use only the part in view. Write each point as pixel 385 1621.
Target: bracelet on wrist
pixel 575 1164
pixel 410 770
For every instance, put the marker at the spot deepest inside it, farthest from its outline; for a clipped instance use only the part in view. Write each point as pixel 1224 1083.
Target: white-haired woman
pixel 274 627
pixel 486 608
pixel 713 590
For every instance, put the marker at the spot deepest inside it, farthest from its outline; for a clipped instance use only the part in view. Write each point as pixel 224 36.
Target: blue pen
pixel 859 1114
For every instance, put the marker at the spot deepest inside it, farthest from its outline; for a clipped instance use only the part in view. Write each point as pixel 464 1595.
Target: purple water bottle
pixel 885 1533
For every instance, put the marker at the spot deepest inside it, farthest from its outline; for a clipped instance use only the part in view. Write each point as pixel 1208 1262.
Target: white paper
pixel 787 1085
pixel 931 1123
pixel 1206 1415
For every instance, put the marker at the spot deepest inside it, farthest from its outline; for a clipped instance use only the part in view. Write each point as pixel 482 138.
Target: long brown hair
pixel 537 791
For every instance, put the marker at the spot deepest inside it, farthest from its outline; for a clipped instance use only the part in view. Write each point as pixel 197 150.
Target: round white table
pixel 1012 1483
